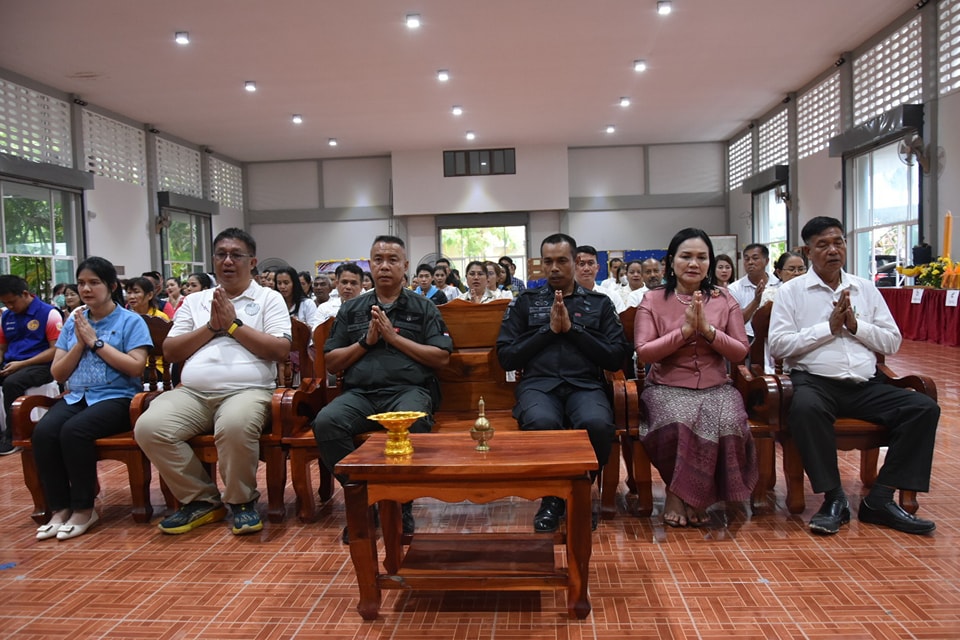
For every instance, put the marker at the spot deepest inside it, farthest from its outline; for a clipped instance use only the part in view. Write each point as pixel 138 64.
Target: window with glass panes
pixel 770 222
pixel 884 201
pixel 40 235
pixel 185 243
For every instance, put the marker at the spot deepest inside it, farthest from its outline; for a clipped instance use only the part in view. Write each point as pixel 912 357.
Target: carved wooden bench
pixel 473 372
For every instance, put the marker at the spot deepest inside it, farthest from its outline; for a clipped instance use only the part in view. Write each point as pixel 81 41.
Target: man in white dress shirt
pixel 827 326
pixel 748 290
pixel 587 269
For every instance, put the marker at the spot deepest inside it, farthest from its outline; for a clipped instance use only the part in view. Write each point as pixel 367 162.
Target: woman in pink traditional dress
pixel 695 431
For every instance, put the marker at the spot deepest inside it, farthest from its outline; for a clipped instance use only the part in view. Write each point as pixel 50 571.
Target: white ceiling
pixel 525 71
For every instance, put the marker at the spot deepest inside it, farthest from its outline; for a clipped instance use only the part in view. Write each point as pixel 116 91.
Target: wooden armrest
pixel 23 406
pixel 140 403
pixel 919 383
pixel 292 409
pixel 634 408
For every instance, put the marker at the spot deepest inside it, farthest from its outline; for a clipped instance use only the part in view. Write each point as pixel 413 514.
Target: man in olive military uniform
pixel 563 337
pixel 388 345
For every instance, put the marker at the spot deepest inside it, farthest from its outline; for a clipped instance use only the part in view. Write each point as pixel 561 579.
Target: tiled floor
pixel 760 577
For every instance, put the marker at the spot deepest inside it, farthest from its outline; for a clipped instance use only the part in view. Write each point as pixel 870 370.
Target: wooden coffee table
pixel 445 466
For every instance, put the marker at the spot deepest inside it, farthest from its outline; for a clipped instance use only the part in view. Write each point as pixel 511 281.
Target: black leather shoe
pixel 892 515
pixel 832 514
pixel 548 515
pixel 406 516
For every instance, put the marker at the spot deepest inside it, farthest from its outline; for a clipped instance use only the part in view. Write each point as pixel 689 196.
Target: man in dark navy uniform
pixel 563 337
pixel 388 344
pixel 28 335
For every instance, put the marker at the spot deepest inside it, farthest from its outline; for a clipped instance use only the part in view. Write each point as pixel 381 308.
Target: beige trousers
pixel 236 420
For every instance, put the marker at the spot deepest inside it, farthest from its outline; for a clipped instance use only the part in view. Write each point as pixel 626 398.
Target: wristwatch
pixel 363 343
pixel 96 346
pixel 236 324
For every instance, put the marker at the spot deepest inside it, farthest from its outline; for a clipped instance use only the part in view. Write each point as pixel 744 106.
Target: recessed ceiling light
pixel 413 21
pixel 664 7
pixel 457 110
pixel 332 142
pixel 250 86
pixel 443 75
pixel 297 118
pixel 471 135
pixel 639 65
pixel 611 128
pixel 624 101
pixel 182 37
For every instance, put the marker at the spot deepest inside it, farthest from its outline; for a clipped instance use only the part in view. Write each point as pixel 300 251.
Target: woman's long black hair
pixel 297 294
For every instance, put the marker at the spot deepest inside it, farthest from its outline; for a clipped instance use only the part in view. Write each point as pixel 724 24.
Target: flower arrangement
pixel 942 273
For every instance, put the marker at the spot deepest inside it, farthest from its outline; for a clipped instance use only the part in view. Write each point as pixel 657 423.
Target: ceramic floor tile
pixel 763 575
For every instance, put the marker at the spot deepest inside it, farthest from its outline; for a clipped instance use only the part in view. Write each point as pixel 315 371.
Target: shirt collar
pixel 814 281
pixel 251 290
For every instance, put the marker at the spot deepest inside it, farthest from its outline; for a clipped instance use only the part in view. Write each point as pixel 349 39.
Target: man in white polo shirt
pixel 229 340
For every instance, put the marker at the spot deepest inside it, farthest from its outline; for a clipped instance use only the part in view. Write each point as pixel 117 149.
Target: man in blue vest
pixel 28 335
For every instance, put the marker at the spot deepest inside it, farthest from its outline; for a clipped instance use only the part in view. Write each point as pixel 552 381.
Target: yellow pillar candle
pixel 947 234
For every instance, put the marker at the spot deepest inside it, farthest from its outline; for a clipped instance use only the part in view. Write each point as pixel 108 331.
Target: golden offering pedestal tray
pixel 397 423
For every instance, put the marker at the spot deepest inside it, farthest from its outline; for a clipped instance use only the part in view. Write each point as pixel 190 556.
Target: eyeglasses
pixel 795 269
pixel 220 256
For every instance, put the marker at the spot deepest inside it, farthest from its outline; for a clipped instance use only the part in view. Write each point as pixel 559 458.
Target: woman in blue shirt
pixel 100 357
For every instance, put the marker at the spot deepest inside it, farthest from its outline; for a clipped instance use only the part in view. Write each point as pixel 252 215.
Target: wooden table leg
pixel 392 535
pixel 579 546
pixel 363 547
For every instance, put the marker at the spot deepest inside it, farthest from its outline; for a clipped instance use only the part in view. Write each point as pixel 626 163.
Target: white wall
pixel 949 181
pixel 228 217
pixel 419 187
pixel 643 229
pixel 686 168
pixel 819 186
pixel 118 224
pixel 421 239
pixel 606 171
pixel 356 182
pixel 739 208
pixel 283 185
pixel 301 244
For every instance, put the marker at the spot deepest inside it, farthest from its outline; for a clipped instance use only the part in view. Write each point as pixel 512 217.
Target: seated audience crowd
pixel 692 326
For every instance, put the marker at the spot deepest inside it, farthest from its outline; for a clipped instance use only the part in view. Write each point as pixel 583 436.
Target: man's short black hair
pixel 756 245
pixel 818 225
pixel 444 261
pixel 389 240
pixel 233 233
pixel 588 249
pixel 506 259
pixel 10 284
pixel 350 267
pixel 560 238
pixel 425 266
